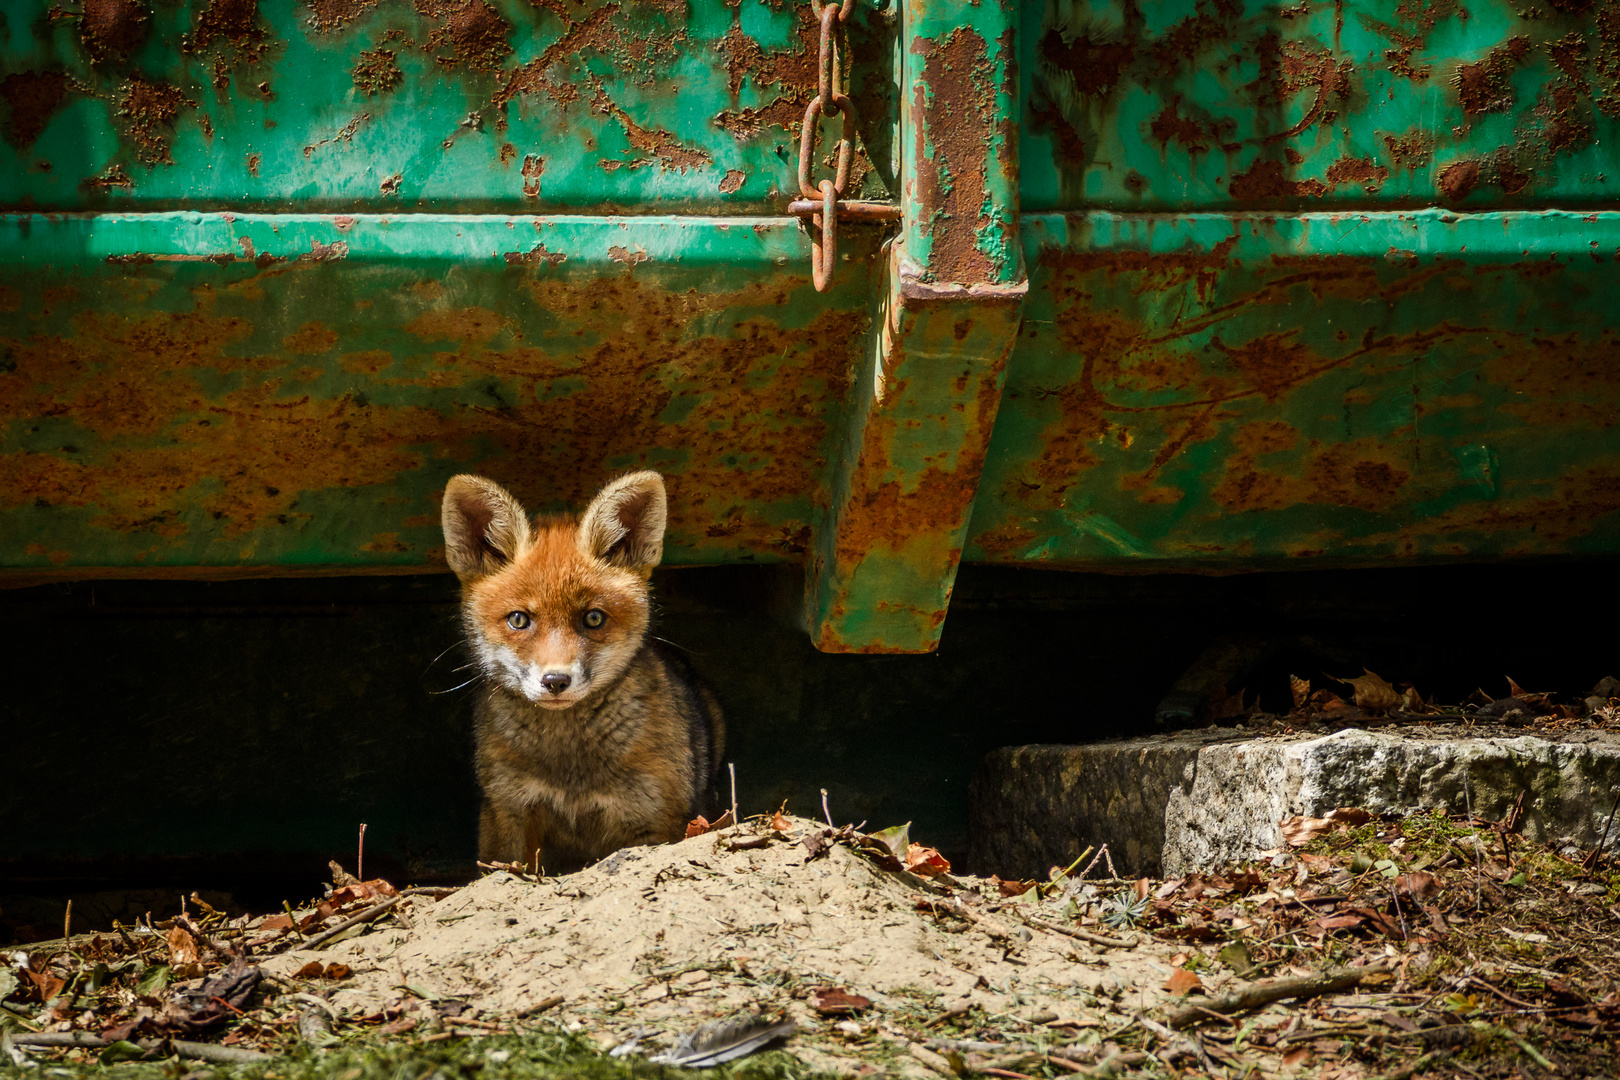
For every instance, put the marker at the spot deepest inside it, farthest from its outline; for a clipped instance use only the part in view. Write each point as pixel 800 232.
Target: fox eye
pixel 594 618
pixel 518 620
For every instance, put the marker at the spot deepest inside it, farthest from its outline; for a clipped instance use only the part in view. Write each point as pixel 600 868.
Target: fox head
pixel 557 608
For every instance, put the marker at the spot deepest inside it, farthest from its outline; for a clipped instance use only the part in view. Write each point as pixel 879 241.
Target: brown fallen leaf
pixel 312 970
pixel 1300 689
pixel 277 922
pixel 1299 831
pixel 1183 982
pixel 182 949
pixel 1224 706
pixel 398 1026
pixel 1372 692
pixel 46 986
pixel 1011 887
pixel 780 823
pixel 925 861
pixel 833 1001
pixel 1419 884
pixel 337 971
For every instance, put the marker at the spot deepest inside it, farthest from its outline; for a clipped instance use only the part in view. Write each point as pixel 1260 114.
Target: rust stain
pixel 473 34
pixel 1563 120
pixel 591 34
pixel 957 90
pixel 536 256
pixel 534 167
pixel 626 256
pixel 234 22
pixel 253 164
pixel 149 110
pixel 319 252
pixel 1411 151
pixel 1418 19
pixel 33 96
pixel 1487 86
pixel 377 72
pixel 112 29
pixel 311 339
pixel 329 15
pixel 1289 68
pixel 113 176
pixel 792 71
pixel 508 153
pixel 656 143
pixel 1265 180
pixel 390 184
pixel 1095 66
pixel 1195 137
pixel 1271 363
pixel 732 181
pixel 1458 179
pixel 1363 171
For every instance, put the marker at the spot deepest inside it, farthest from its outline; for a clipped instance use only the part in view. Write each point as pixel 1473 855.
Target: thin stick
pixel 1084 935
pixel 226 1055
pixel 67 920
pixel 826 813
pixel 367 915
pixel 360 856
pixel 1597 852
pixel 731 767
pixel 1260 994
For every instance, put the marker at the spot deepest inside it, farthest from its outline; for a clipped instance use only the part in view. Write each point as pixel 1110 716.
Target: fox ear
pixel 484 527
pixel 625 523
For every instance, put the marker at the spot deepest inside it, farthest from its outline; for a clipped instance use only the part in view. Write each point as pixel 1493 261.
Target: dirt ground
pixel 666 937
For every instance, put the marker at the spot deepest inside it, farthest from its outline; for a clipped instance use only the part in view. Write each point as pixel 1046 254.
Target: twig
pixel 226 1055
pixel 67 920
pixel 1084 935
pixel 539 1007
pixel 826 813
pixel 1508 1033
pixel 1597 852
pixel 367 915
pixel 1261 994
pixel 360 855
pixel 731 767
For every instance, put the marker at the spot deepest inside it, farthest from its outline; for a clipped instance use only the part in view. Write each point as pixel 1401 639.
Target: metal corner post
pixel 920 412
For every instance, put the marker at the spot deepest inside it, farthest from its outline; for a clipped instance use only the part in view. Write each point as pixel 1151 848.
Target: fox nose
pixel 555 682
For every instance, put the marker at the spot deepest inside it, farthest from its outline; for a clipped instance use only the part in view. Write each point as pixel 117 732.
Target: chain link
pixel 830 101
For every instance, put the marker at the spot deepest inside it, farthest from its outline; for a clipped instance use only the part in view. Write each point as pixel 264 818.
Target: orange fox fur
pixel 589 737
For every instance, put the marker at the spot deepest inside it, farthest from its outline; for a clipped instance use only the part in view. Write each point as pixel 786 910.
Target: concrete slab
pixel 1167 805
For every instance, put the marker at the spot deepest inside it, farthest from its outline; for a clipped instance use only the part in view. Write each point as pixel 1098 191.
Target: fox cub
pixel 589 736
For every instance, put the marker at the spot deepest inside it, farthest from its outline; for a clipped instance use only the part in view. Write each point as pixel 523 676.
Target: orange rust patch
pixel 149 110
pixel 1458 179
pixel 473 34
pixel 367 362
pixel 732 181
pixel 1487 86
pixel 310 339
pixel 112 29
pixel 1271 363
pixel 956 83
pixel 1411 151
pixel 33 96
pixel 1265 180
pixel 457 324
pixel 376 72
pixel 1363 171
pixel 329 15
pixel 534 167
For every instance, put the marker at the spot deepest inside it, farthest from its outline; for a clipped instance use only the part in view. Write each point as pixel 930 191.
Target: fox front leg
pixel 504 836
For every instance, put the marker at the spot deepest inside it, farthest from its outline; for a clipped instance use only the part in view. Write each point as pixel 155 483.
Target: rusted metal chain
pixel 822 201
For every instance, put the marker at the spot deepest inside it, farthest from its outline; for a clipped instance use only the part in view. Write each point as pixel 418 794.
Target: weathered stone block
pixel 1166 806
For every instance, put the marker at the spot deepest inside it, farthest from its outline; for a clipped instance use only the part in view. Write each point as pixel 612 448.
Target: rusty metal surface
pixel 922 409
pixel 1206 104
pixel 1240 392
pixel 188 394
pixel 429 105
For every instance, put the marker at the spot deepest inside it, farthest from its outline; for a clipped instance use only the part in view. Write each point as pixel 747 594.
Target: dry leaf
pixel 1182 981
pixel 1301 689
pixel 277 922
pixel 1011 887
pixel 182 948
pixel 1418 884
pixel 1373 693
pixel 697 826
pixel 1227 706
pixel 780 823
pixel 1299 831
pixel 337 971
pixel 925 861
pixel 312 970
pixel 833 1001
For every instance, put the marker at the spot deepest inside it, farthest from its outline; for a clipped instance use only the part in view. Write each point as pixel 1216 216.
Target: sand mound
pixel 665 937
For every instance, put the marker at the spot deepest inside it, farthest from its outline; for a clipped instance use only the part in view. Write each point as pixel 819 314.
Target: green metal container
pixel 1217 286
